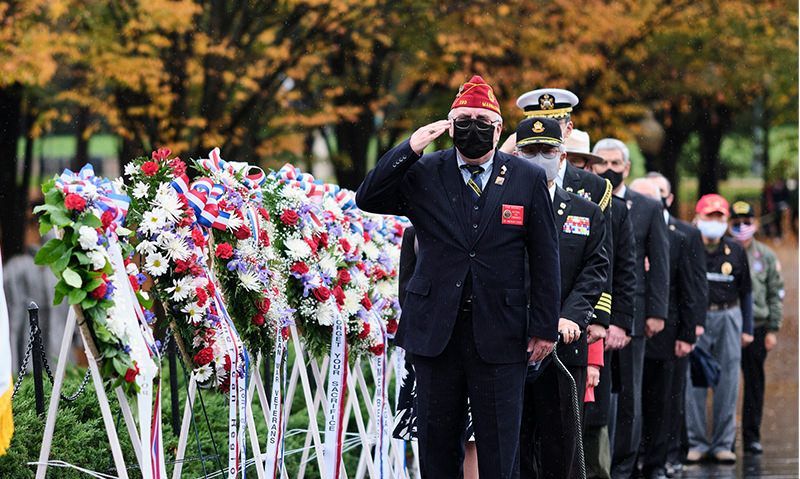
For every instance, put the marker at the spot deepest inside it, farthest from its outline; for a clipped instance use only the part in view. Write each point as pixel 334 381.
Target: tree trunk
pixel 350 162
pixel 82 143
pixel 11 220
pixel 715 121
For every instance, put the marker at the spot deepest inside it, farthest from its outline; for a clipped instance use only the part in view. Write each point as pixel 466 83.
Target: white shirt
pixel 622 190
pixel 560 176
pixel 666 216
pixel 484 177
pixel 552 190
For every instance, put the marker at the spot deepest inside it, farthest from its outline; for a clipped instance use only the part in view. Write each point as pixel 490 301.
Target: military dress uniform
pixel 729 315
pixel 549 430
pixel 651 299
pixel 768 292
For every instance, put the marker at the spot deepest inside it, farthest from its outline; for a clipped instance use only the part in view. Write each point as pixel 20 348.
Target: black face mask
pixel 612 176
pixel 664 203
pixel 472 142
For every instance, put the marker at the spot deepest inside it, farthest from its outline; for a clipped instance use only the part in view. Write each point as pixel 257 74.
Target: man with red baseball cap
pixel 473 316
pixel 728 327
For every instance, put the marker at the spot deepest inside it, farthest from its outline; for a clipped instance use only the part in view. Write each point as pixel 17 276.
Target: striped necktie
pixel 474 181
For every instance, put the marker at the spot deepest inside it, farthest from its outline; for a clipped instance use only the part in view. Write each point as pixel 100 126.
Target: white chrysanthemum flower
pixel 249 281
pixel 325 313
pixel 140 190
pixel 115 324
pixel 386 289
pixel 247 248
pixel 169 202
pixel 352 303
pixel 296 248
pixel 359 280
pixel 177 249
pixel 156 264
pixel 146 247
pixel 181 289
pixel 153 220
pixel 327 265
pixel 98 259
pixel 234 223
pixel 194 313
pixel 130 169
pixel 371 251
pixel 87 238
pixel 119 185
pixel 203 373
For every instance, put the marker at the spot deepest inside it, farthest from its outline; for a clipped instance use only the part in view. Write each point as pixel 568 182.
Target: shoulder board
pixel 606 199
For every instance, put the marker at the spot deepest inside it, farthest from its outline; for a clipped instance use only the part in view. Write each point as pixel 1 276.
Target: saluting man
pixel 550 428
pixel 468 320
pixel 558 104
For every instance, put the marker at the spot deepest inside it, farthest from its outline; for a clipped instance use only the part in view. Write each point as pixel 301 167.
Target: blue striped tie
pixel 474 181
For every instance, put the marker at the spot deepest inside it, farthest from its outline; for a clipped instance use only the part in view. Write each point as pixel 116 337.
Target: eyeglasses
pixel 547 151
pixel 481 124
pixel 741 222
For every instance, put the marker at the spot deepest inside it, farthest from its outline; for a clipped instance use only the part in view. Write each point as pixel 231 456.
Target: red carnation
pixel 299 268
pixel 204 356
pixel 263 305
pixel 198 238
pixel 322 239
pixel 224 251
pixel 178 166
pixel 312 243
pixel 227 365
pixel 285 332
pixel 378 273
pixel 322 294
pixel 344 244
pixel 258 319
pixel 212 290
pixel 242 232
pixel 344 276
pixel 202 296
pixel 290 217
pixel 366 237
pixel 263 238
pixel 74 202
pixel 130 374
pixel 364 331
pixel 391 326
pixel 377 350
pixel 263 212
pixel 366 302
pixel 338 293
pixel 149 168
pixel 100 291
pixel 134 282
pixel 361 266
pixel 107 218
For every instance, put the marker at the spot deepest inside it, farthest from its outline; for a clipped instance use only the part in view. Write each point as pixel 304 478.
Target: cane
pixel 576 409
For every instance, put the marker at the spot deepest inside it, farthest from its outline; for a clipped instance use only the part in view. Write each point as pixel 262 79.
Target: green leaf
pixel 93 284
pixel 76 296
pixel 83 258
pixel 91 220
pixel 63 261
pixel 44 226
pixel 58 297
pixel 60 218
pixel 72 278
pixel 119 366
pixel 88 302
pixel 51 251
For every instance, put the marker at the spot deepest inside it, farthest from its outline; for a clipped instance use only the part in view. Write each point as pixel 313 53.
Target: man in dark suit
pixel 468 320
pixel 650 303
pixel 662 349
pixel 549 424
pixel 688 330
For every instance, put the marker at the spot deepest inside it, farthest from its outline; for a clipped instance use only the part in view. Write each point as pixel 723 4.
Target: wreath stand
pixel 74 316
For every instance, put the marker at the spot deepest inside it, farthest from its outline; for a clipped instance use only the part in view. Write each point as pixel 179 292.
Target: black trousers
pixel 677 443
pixel 548 439
pixel 495 394
pixel 627 425
pixel 656 408
pixel 753 357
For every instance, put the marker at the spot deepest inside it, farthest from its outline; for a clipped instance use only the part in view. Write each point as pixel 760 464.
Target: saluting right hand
pixel 425 135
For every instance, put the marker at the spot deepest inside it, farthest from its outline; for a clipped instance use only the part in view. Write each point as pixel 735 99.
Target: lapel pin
pixel 499 180
pixel 560 212
pixel 563 205
pixel 569 188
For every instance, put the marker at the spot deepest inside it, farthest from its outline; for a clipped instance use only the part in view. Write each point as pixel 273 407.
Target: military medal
pixel 726 268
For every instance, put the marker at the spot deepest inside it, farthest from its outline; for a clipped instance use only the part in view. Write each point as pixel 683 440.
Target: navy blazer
pixel 428 190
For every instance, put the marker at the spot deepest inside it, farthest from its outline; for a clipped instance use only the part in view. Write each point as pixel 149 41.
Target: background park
pixel 704 91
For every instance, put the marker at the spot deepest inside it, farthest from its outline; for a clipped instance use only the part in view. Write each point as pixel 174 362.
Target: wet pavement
pixel 779 431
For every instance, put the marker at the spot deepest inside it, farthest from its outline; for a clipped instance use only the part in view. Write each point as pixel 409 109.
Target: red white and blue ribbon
pixel 315 189
pixel 337 392
pixel 98 190
pixel 381 403
pixel 277 416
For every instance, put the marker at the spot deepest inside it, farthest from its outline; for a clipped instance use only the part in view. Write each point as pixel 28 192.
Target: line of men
pixel 517 252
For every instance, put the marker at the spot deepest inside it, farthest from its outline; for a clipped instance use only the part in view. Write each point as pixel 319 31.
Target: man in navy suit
pixel 469 323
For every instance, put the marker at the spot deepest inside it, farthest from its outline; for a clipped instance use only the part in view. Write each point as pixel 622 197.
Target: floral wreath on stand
pixel 172 250
pixel 87 213
pixel 245 261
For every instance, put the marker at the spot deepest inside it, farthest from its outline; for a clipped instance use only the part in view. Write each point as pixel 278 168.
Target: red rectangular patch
pixel 513 215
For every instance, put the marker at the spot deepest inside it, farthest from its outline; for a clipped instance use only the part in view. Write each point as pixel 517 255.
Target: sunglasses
pixel 547 151
pixel 480 124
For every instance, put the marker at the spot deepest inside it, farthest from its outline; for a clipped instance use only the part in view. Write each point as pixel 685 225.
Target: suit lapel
pixel 451 178
pixel 493 192
pixel 561 208
pixel 571 181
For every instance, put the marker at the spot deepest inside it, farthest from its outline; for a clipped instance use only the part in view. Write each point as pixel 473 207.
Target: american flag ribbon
pixel 99 191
